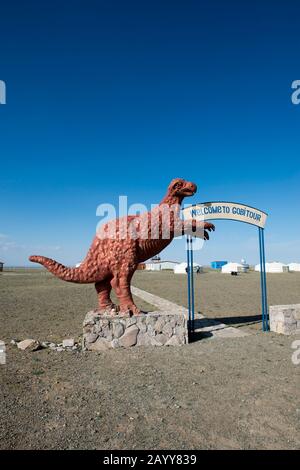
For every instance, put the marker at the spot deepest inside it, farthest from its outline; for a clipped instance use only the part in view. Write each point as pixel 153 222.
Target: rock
pixel 143 339
pixel 91 337
pixel 296 314
pixel 168 330
pixel 97 327
pixel 59 349
pixel 125 331
pixel 150 330
pixel 159 325
pixel 91 317
pixel 115 343
pixel 68 343
pixel 131 321
pixel 174 341
pixel 142 327
pixel 154 341
pixel 2 353
pixel 151 320
pixel 129 338
pixel 161 338
pixel 29 345
pixel 106 333
pixel 100 345
pixel 284 318
pixel 118 330
pixel 180 331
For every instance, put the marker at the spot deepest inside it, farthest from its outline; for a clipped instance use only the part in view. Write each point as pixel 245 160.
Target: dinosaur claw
pixel 209 226
pixel 129 310
pixel 112 310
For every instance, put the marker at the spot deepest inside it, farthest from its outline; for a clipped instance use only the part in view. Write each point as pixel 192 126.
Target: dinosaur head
pixel 179 188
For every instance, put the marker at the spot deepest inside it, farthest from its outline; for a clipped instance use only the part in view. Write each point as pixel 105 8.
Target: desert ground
pixel 225 393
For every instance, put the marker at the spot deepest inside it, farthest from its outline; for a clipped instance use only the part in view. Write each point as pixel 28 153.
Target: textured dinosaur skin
pixel 120 245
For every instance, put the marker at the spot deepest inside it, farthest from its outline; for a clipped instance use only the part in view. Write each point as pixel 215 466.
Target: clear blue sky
pixel 108 98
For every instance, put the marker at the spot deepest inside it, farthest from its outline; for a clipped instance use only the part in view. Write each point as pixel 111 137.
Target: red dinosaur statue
pixel 121 244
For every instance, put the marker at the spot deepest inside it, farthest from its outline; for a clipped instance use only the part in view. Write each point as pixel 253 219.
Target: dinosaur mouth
pixel 189 191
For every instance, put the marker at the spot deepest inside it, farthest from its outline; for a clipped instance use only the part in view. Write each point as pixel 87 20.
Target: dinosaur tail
pixel 61 271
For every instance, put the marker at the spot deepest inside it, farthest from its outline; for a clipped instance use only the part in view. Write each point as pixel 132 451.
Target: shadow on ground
pixel 204 327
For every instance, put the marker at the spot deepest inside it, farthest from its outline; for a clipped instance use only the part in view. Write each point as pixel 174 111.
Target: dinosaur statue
pixel 121 244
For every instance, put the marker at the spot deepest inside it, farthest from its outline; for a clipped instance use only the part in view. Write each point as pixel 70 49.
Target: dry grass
pixel 36 304
pixel 234 300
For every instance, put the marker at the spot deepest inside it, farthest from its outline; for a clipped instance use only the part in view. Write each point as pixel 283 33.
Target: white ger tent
pixel 161 265
pixel 181 268
pixel 294 266
pixel 274 267
pixel 231 267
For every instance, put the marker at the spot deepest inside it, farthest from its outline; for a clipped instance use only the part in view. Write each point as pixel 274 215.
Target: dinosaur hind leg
pixel 121 286
pixel 103 289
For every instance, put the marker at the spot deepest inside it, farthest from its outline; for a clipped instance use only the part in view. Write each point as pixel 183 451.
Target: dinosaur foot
pixel 116 310
pixel 130 310
pixel 111 310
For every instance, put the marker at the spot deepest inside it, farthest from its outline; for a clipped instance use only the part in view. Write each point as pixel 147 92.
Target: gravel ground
pixel 239 393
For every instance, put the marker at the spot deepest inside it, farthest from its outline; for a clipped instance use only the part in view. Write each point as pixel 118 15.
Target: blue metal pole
pixel 192 283
pixel 265 281
pixel 188 277
pixel 262 279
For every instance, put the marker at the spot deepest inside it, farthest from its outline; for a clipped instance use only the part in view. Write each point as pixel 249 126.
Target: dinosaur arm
pixel 198 229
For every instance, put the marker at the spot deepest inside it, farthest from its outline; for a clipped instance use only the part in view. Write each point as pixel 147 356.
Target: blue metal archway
pixel 227 211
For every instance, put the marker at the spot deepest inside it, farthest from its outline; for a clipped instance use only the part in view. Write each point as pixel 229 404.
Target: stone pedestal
pixel 101 332
pixel 285 319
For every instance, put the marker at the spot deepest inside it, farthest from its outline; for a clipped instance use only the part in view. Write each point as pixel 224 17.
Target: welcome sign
pixel 226 210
